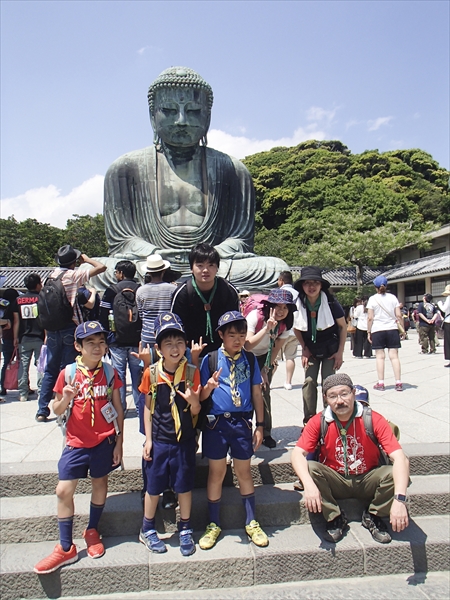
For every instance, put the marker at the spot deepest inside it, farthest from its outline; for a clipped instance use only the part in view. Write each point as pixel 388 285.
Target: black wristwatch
pixel 259 424
pixel 401 498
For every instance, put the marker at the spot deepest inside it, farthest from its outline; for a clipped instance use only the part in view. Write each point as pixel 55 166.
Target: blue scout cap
pixel 379 281
pixel 361 394
pixel 229 317
pixel 167 320
pixel 89 328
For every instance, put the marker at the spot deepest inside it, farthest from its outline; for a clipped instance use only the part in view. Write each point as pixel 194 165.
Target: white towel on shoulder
pixel 325 318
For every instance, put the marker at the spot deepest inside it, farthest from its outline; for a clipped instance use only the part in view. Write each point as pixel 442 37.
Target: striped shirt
pixel 72 280
pixel 152 299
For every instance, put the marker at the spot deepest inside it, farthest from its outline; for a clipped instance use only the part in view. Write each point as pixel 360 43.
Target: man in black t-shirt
pixel 204 298
pixel 30 333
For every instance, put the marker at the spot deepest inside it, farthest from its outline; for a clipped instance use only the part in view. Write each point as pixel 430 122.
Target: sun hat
pixel 67 255
pixel 167 320
pixel 311 274
pixel 446 292
pixel 379 281
pixel 229 317
pixel 244 294
pixel 88 328
pixel 280 296
pixel 156 263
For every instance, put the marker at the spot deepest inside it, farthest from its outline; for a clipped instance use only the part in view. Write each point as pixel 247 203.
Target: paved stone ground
pixel 421 411
pixel 419 586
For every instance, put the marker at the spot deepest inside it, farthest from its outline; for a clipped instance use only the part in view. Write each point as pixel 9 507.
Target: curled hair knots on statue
pixel 176 77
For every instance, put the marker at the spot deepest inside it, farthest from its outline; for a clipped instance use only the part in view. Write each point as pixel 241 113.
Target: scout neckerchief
pixel 313 310
pixel 343 433
pixel 235 395
pixel 89 394
pixel 207 306
pixel 273 337
pixel 173 384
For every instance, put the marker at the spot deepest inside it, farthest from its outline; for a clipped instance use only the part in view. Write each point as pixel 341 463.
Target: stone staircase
pixel 296 552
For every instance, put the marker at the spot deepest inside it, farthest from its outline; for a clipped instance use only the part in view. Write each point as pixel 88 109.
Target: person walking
pixel 384 313
pixel 362 344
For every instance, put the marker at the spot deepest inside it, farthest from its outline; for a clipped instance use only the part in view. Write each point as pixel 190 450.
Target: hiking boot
pixel 209 538
pixel 379 387
pixel 152 542
pixel 256 534
pixel 187 544
pixel 399 387
pixel 169 500
pixel 94 545
pixel 377 527
pixel 335 528
pixel 58 558
pixel 269 442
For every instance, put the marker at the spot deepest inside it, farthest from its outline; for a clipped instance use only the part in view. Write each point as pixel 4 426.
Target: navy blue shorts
pixel 76 462
pixel 172 466
pixel 386 339
pixel 233 433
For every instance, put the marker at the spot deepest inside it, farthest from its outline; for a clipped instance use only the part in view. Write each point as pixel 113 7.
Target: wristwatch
pixel 401 498
pixel 259 424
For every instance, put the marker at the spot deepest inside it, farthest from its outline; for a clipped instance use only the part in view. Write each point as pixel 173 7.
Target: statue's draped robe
pixel 135 229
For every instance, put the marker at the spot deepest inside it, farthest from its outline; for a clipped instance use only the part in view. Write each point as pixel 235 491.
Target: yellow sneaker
pixel 209 538
pixel 256 534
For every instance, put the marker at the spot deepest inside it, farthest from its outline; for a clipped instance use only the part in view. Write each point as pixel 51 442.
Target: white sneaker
pixel 288 386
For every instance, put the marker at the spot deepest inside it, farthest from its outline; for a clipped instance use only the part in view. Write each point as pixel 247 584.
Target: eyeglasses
pixel 342 396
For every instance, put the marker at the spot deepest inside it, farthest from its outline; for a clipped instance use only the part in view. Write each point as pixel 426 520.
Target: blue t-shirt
pixel 221 396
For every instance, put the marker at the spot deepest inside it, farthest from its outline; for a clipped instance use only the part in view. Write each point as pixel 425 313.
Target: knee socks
pixel 214 511
pixel 65 533
pixel 94 515
pixel 249 504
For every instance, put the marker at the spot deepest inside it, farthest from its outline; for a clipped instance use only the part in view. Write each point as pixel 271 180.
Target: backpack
pixel 368 426
pixel 127 321
pixel 69 374
pixel 54 308
pixel 255 302
pixel 212 365
pixel 429 310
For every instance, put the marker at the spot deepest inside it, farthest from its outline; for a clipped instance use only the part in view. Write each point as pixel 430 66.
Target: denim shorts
pixel 76 462
pixel 228 432
pixel 172 466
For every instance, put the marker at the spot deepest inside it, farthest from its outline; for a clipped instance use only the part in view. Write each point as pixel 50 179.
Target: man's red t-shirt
pixel 362 453
pixel 80 431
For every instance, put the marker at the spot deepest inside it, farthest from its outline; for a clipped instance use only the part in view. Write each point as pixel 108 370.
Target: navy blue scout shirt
pixel 221 396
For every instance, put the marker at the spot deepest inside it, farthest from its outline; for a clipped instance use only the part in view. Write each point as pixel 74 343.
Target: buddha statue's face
pixel 181 116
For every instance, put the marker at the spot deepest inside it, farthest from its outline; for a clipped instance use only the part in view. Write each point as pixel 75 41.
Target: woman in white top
pixel 445 308
pixel 384 313
pixel 361 341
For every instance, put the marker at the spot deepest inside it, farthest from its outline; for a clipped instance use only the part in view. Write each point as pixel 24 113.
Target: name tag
pixel 109 412
pixel 354 465
pixel 29 311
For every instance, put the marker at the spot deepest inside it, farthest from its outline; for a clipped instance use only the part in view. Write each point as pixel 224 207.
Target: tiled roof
pixel 346 276
pixel 16 275
pixel 420 267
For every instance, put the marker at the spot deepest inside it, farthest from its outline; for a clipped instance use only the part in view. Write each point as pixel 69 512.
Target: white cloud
pixel 241 146
pixel 377 123
pixel 47 205
pixel 316 113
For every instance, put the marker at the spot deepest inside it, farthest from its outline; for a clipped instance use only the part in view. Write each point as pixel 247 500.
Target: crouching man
pixel 348 461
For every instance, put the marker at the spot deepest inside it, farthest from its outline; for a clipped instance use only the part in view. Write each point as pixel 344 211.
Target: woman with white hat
pixel 445 308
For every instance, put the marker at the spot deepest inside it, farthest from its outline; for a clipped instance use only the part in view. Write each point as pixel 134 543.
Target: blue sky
pixel 75 76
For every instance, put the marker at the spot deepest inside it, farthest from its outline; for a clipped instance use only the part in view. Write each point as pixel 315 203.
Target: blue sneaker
pixel 152 542
pixel 187 544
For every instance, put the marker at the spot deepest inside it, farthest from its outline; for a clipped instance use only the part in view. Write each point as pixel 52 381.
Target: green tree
pixel 28 243
pixel 87 234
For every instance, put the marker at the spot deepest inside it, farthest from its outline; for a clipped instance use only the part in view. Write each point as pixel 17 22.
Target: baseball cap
pixel 88 328
pixel 379 281
pixel 229 317
pixel 361 394
pixel 167 320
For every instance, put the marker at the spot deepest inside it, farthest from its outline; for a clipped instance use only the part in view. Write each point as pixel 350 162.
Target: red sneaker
pixel 399 387
pixel 379 387
pixel 94 545
pixel 58 558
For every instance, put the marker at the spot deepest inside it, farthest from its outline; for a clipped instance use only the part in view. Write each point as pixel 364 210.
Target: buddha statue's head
pixel 180 104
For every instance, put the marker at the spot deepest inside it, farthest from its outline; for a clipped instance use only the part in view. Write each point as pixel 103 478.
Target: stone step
pixel 33 519
pixel 296 553
pixel 41 477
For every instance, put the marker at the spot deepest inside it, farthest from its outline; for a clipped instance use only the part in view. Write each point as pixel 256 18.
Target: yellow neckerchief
pixel 90 383
pixel 173 385
pixel 236 397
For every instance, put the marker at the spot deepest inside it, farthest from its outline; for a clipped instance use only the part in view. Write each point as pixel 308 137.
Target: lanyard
pixel 313 310
pixel 273 337
pixel 90 384
pixel 207 306
pixel 235 395
pixel 343 433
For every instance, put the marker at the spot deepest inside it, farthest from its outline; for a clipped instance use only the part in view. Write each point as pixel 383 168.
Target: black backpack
pixel 127 321
pixel 54 308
